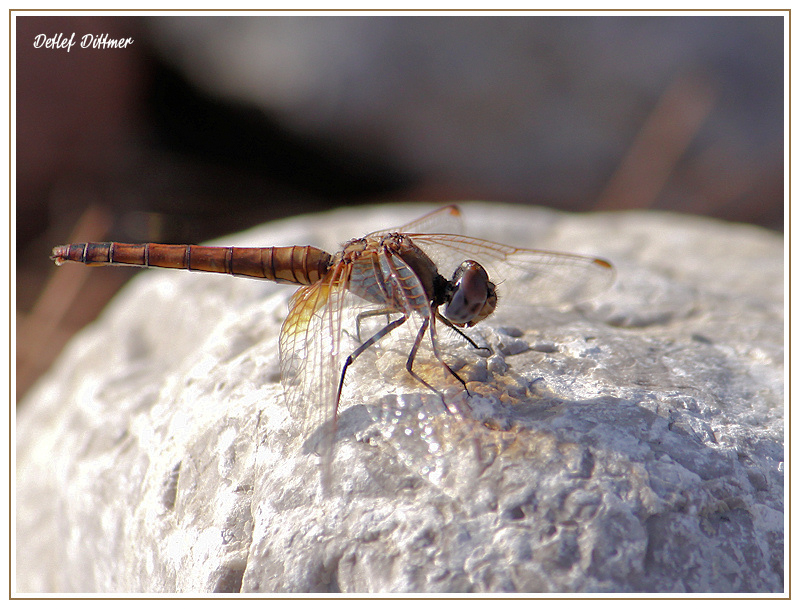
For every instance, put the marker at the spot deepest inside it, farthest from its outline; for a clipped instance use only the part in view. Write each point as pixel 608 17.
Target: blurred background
pixel 209 125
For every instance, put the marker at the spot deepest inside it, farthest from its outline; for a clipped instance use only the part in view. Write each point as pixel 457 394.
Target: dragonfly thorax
pixel 469 297
pixel 391 270
pixel 378 276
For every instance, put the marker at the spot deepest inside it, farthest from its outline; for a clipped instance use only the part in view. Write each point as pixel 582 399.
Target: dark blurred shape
pixel 76 113
pixel 228 132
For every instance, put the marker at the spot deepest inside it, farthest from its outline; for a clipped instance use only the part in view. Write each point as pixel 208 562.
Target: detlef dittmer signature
pixel 87 41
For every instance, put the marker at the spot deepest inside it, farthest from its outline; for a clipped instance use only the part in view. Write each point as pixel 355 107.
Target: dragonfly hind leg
pixel 363 347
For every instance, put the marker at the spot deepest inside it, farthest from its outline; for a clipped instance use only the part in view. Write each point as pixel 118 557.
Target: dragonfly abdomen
pixel 292 264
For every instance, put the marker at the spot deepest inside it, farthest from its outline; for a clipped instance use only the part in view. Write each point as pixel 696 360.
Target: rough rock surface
pixel 632 443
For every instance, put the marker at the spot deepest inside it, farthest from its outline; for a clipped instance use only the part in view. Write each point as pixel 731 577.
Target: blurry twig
pixel 662 140
pixel 39 334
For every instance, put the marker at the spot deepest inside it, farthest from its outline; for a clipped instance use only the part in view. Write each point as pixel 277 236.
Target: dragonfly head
pixel 471 297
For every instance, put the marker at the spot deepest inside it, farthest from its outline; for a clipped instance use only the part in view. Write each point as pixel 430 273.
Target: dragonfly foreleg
pixel 452 326
pixel 363 347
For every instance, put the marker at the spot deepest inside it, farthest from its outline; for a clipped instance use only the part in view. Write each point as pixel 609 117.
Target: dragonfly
pixel 423 273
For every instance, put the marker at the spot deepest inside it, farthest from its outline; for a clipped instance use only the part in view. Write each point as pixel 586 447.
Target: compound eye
pixel 470 290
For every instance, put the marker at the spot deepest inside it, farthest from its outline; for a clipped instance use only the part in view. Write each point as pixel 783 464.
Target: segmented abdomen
pixel 291 264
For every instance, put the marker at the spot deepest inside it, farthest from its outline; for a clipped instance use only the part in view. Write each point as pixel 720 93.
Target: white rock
pixel 637 446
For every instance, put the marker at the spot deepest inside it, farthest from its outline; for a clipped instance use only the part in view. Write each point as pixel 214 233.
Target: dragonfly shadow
pixel 494 448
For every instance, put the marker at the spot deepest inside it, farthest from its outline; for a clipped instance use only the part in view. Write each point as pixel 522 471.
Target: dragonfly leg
pixel 411 356
pixel 385 311
pixel 363 347
pixel 452 326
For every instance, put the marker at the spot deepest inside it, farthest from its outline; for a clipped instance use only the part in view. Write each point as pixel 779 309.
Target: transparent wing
pixel 314 344
pixel 309 351
pixel 523 276
pixel 443 220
